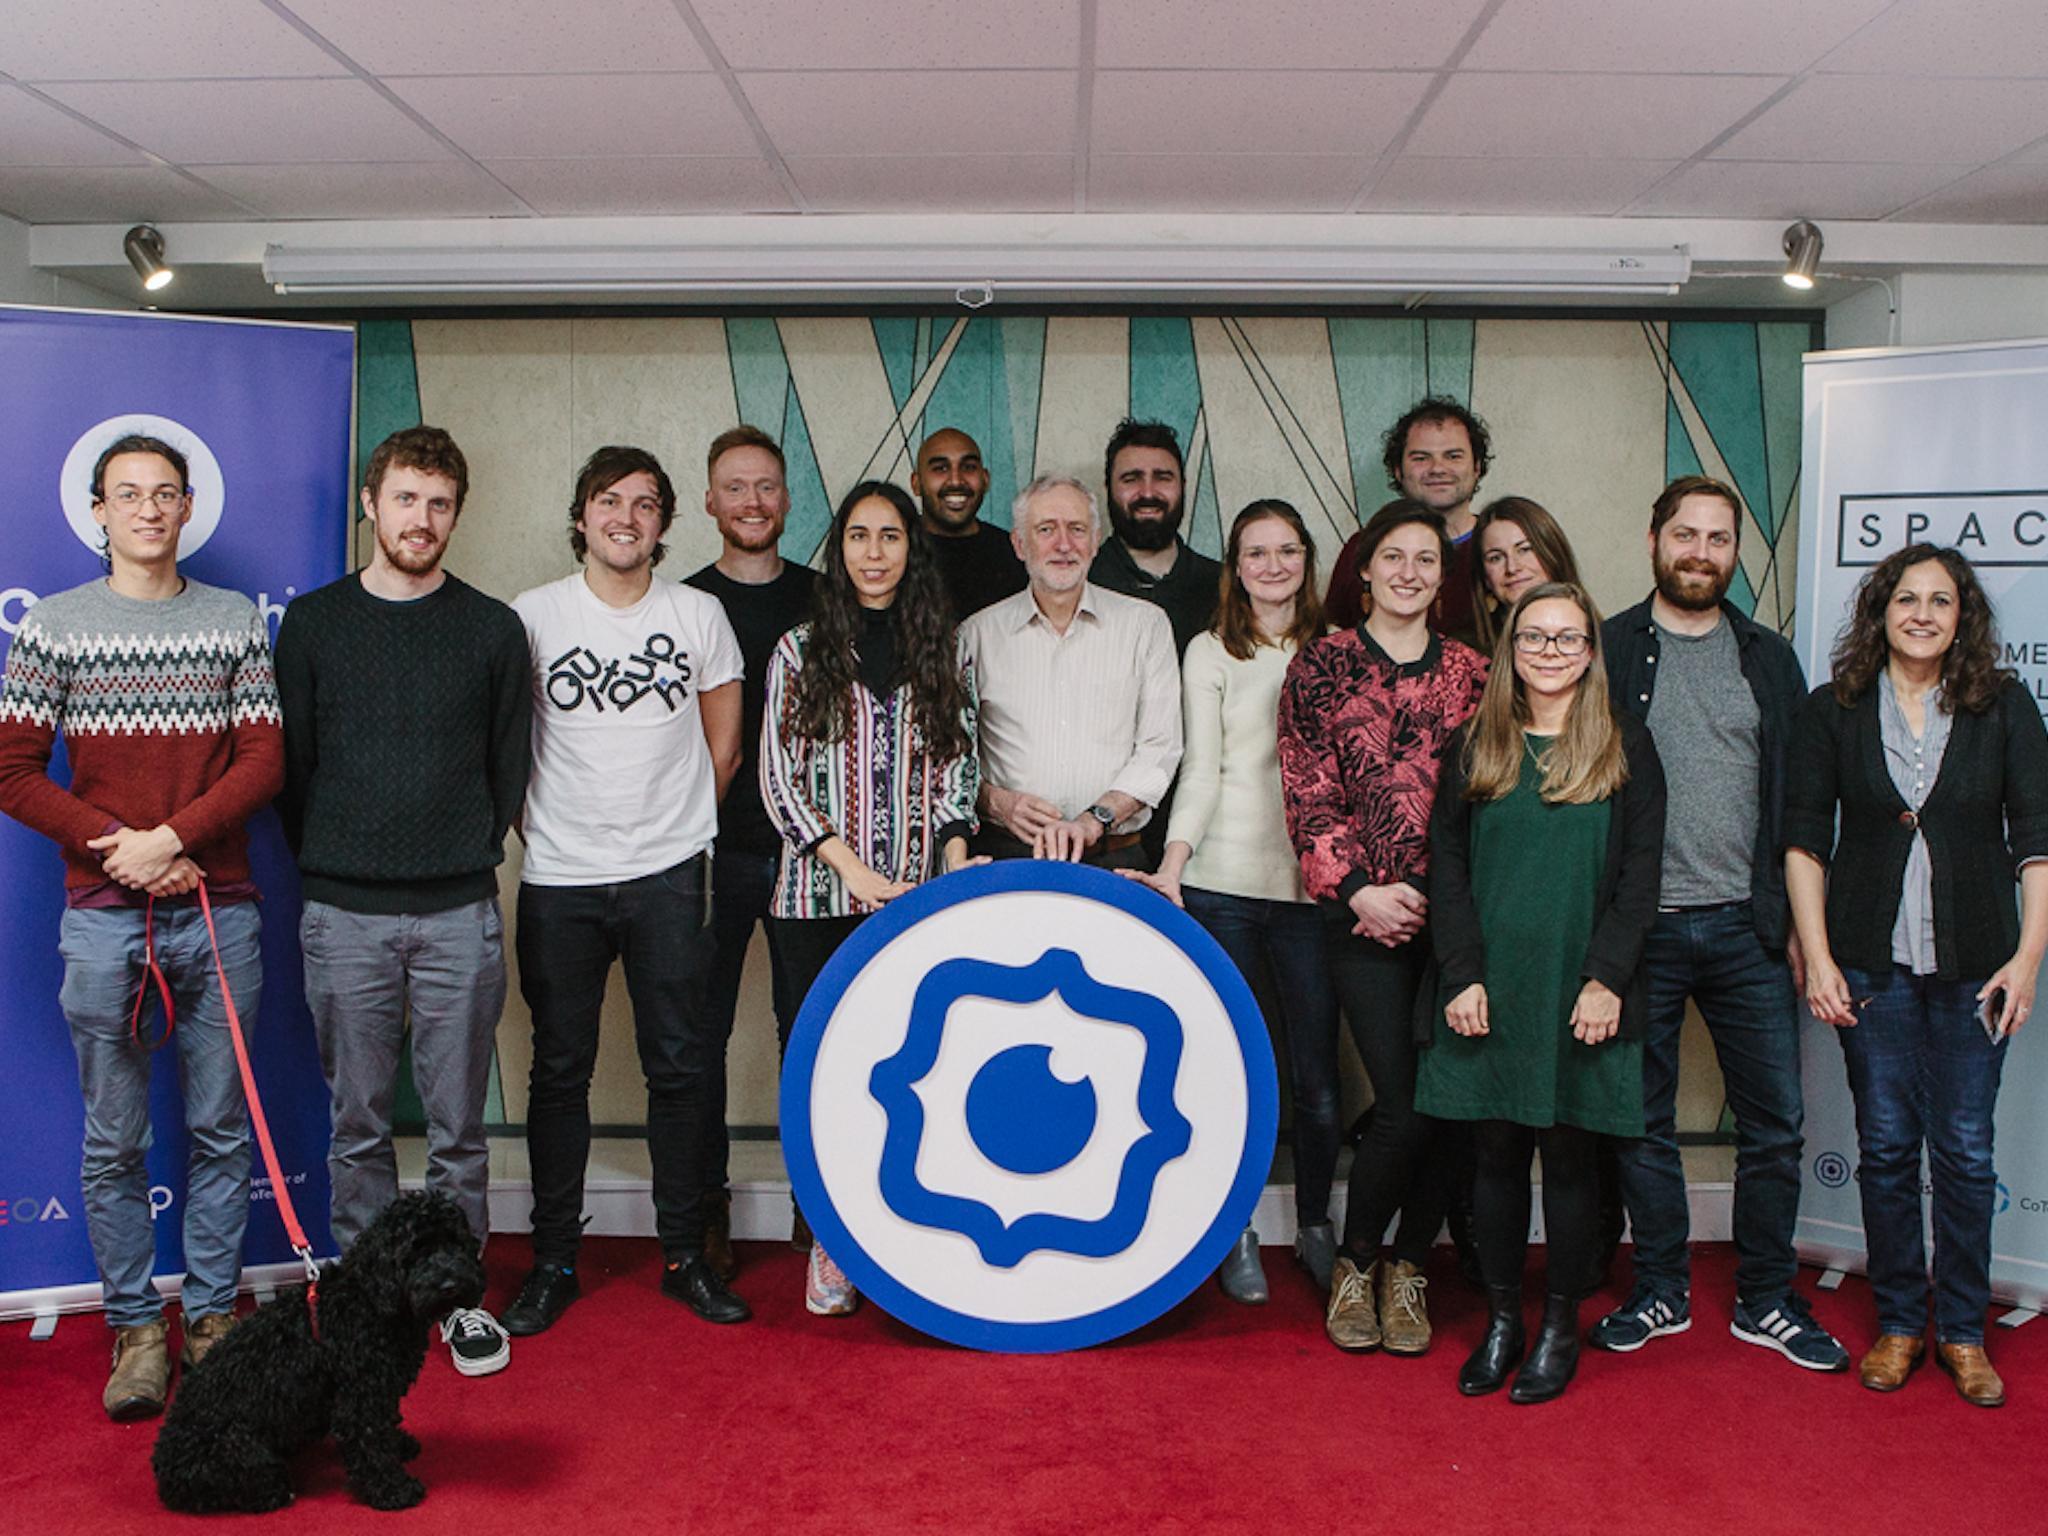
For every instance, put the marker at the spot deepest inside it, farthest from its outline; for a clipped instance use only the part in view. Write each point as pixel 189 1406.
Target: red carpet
pixel 632 1415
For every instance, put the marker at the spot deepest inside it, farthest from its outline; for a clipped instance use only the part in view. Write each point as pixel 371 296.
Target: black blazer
pixel 1625 906
pixel 1988 810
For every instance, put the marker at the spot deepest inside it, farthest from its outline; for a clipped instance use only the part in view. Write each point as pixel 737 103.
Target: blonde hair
pixel 1584 764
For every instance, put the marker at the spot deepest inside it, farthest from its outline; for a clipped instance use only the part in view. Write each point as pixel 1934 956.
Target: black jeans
pixel 1571 1204
pixel 1394 1168
pixel 568 938
pixel 802 946
pixel 742 884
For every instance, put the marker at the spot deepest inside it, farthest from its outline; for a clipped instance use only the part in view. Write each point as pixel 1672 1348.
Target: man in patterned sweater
pixel 162 688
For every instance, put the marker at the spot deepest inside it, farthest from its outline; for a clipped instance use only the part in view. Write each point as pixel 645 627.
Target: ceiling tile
pixel 33 132
pixel 1652 117
pixel 433 189
pixel 1224 183
pixel 1950 37
pixel 250 122
pixel 231 39
pixel 1632 37
pixel 903 34
pixel 1281 34
pixel 2016 193
pixel 506 37
pixel 110 194
pixel 1320 112
pixel 1778 189
pixel 651 185
pixel 983 113
pixel 935 183
pixel 1428 184
pixel 1868 118
pixel 523 117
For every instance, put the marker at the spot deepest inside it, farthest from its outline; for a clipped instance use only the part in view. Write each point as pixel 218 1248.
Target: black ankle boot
pixel 1499 1351
pixel 1555 1356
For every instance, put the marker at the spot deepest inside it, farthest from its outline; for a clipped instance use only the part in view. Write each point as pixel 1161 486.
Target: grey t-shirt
pixel 1706 726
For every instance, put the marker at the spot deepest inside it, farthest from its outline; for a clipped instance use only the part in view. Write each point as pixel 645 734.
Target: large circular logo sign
pixel 209 488
pixel 1028 1107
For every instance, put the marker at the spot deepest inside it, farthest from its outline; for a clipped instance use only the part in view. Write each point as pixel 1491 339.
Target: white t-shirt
pixel 622 780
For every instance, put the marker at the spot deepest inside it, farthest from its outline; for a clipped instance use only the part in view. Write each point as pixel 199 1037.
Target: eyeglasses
pixel 128 498
pixel 1569 642
pixel 1282 554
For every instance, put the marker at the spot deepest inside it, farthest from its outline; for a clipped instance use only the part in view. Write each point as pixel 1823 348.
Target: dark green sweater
pixel 408 739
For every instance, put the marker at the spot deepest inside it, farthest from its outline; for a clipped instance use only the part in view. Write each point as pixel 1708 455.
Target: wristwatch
pixel 1104 815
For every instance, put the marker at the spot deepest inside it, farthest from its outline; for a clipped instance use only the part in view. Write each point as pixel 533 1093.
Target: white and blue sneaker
pixel 1787 1326
pixel 1643 1317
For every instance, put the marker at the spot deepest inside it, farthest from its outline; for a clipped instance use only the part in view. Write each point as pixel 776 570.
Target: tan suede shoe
pixel 1353 1321
pixel 1975 1381
pixel 1404 1315
pixel 1893 1358
pixel 141 1378
pixel 201 1334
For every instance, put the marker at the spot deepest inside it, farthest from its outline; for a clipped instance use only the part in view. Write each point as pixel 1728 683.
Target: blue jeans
pixel 1923 1072
pixel 103 967
pixel 1287 938
pixel 569 935
pixel 1744 992
pixel 742 884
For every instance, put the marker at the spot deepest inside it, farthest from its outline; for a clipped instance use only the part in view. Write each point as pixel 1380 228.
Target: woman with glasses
pixel 1227 858
pixel 1518 545
pixel 1932 760
pixel 1364 716
pixel 1546 848
pixel 868 766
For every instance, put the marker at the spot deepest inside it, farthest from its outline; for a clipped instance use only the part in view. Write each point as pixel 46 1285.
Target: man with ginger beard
pixel 1719 693
pixel 1145 479
pixel 976 561
pixel 407 729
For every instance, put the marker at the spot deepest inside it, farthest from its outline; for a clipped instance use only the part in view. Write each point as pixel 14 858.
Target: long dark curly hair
pixel 1970 673
pixel 821 704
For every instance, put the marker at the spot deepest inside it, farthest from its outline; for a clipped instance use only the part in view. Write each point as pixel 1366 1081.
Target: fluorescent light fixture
pixel 1802 254
pixel 144 245
pixel 1006 272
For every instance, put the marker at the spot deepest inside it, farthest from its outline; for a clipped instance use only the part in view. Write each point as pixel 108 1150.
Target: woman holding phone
pixel 1937 763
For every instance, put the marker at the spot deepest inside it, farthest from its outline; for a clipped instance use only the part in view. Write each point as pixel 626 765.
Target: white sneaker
pixel 827 1291
pixel 477 1342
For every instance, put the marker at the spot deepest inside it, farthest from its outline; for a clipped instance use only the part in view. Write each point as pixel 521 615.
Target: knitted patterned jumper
pixel 169 714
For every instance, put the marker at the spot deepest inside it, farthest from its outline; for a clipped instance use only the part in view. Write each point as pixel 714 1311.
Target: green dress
pixel 1536 872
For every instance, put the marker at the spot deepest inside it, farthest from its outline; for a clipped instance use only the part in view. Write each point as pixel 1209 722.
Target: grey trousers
pixel 103 966
pixel 367 976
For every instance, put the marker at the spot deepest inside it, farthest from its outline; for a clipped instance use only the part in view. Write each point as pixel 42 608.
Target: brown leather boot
pixel 1352 1321
pixel 1404 1315
pixel 201 1334
pixel 1893 1358
pixel 718 1234
pixel 141 1378
pixel 1975 1381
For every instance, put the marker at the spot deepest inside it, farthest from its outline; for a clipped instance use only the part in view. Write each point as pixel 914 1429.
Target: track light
pixel 1802 254
pixel 145 247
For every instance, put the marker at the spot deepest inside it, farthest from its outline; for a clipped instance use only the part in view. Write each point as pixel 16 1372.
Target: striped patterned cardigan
pixel 877 788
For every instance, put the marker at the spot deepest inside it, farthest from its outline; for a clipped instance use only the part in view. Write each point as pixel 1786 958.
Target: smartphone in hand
pixel 1991 1014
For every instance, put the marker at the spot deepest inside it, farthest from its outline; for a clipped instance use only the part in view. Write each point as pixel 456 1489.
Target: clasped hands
pixel 151 861
pixel 1035 820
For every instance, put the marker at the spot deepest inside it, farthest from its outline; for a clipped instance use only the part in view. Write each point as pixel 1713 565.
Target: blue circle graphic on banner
pixel 1029 1106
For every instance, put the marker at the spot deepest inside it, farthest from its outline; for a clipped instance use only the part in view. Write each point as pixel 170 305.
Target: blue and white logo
pixel 1029 1106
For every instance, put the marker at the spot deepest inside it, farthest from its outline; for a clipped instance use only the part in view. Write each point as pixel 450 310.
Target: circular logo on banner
pixel 1029 1106
pixel 209 489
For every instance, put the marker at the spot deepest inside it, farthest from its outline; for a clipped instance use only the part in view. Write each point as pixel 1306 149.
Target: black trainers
pixel 1643 1317
pixel 476 1341
pixel 1788 1327
pixel 692 1282
pixel 544 1297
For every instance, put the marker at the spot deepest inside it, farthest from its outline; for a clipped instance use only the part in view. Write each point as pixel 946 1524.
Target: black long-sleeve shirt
pixel 408 740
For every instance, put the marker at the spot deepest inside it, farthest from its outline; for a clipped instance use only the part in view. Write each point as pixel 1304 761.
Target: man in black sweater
pixel 976 562
pixel 408 714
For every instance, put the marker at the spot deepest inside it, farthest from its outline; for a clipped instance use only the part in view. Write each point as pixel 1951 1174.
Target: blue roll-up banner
pixel 1941 445
pixel 263 412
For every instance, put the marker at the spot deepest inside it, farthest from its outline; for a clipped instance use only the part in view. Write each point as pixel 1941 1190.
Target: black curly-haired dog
pixel 278 1383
